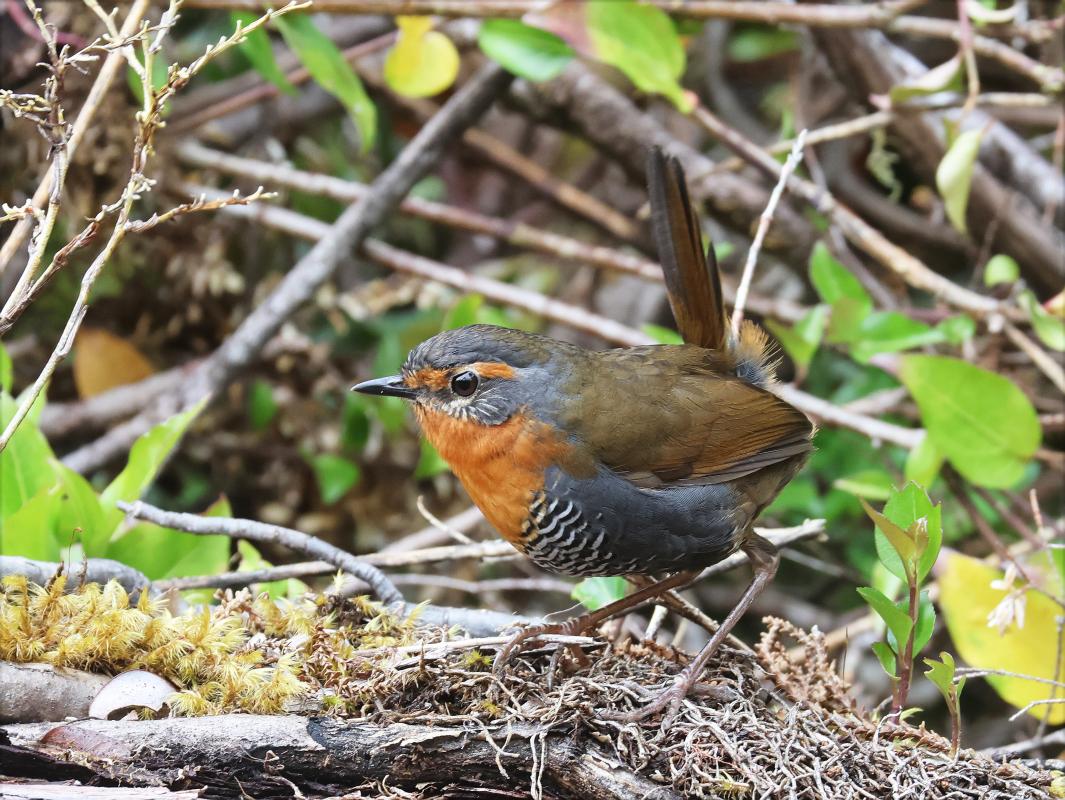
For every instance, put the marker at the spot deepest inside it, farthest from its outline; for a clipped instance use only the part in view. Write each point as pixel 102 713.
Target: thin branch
pixel 99 90
pixel 794 158
pixel 1043 360
pixel 263 533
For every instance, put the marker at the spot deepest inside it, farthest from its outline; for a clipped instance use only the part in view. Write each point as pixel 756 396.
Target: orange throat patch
pixel 501 466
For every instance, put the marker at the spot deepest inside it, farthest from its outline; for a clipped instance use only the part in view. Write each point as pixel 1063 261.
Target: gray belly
pixel 606 526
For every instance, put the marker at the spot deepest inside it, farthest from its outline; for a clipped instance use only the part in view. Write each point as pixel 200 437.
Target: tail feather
pixel 692 279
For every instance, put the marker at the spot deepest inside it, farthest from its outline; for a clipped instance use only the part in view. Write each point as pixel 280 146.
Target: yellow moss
pixel 246 654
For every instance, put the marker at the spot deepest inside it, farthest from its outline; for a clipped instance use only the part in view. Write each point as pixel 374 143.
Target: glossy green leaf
pixel 980 421
pixel 530 53
pixel 430 463
pixel 594 593
pixel 908 506
pixel 257 49
pixel 661 334
pixel 335 475
pixel 1049 328
pixel 329 69
pixel 923 462
pixel 886 658
pixel 842 291
pixel 901 542
pixel 146 458
pixel 896 620
pixel 639 40
pixel 926 622
pixel 78 513
pixel 871 484
pixel 954 176
pixel 801 340
pixel 26 462
pixel 1001 268
pixel 941 78
pixel 262 407
pixel 423 62
pixel 164 553
pixel 29 530
pixel 890 332
pixel 957 329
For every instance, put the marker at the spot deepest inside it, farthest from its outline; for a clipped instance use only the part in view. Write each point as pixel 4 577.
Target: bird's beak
pixel 392 386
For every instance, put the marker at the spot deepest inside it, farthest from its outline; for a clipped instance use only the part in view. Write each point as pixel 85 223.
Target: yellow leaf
pixel 966 597
pixel 423 62
pixel 103 361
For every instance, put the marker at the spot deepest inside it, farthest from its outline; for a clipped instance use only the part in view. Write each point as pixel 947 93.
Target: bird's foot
pixel 527 636
pixel 668 699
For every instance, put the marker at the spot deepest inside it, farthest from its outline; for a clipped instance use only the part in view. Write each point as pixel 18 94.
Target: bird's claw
pixel 524 637
pixel 668 699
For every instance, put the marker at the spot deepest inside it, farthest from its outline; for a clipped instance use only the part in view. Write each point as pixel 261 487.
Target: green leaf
pixel 897 621
pixel 957 329
pixel 842 291
pixel 980 421
pixel 465 312
pixel 79 508
pixel 954 176
pixel 1049 328
pixel 926 622
pixel 945 77
pixel 886 658
pixel 528 52
pixel 923 462
pixel 423 62
pixel 941 673
pixel 164 553
pixel 329 69
pixel 662 335
pixel 26 462
pixel 335 474
pixel 871 484
pixel 639 40
pixel 594 593
pixel 251 559
pixel 801 341
pixel 430 463
pixel 262 408
pixel 901 542
pixel 29 531
pixel 257 49
pixel 910 505
pixel 890 332
pixel 7 371
pixel 1001 269
pixel 146 458
pixel 758 42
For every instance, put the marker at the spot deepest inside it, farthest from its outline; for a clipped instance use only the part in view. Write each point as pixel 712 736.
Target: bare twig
pixel 269 534
pixel 794 158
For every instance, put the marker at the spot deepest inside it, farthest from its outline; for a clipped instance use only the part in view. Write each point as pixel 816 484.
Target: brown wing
pixel 677 418
pixel 693 283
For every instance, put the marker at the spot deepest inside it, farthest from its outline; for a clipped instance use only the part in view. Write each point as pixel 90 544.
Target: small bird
pixel 643 461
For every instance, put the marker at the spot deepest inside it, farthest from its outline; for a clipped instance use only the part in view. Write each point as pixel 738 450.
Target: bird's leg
pixel 764 559
pixel 577 625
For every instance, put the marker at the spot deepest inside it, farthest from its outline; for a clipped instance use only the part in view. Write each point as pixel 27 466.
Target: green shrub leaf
pixel 594 593
pixel 954 176
pixel 257 49
pixel 530 53
pixel 1001 269
pixel 335 474
pixel 980 421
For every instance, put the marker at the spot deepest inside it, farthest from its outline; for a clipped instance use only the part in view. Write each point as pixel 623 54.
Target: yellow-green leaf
pixel 423 62
pixel 980 421
pixel 966 598
pixel 954 176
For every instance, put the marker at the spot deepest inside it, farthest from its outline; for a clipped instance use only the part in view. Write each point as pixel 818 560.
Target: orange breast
pixel 501 466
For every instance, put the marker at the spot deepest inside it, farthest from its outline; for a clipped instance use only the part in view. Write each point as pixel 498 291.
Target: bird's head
pixel 480 373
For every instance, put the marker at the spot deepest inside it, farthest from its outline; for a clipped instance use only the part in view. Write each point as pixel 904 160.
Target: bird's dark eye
pixel 464 384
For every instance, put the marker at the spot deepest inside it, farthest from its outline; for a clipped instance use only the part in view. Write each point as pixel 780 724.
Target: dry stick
pixel 1043 360
pixel 858 231
pixel 557 311
pixel 263 533
pixel 316 267
pixel 514 233
pixel 100 87
pixel 763 227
